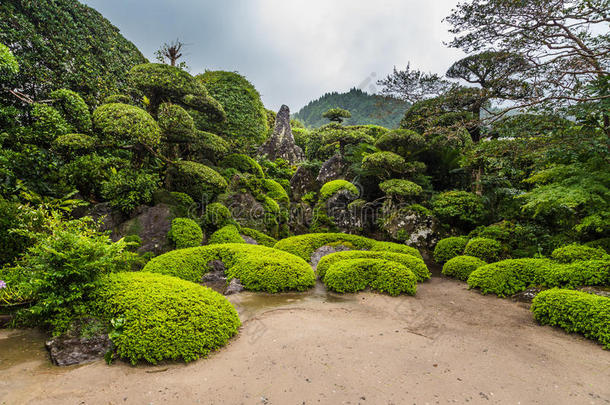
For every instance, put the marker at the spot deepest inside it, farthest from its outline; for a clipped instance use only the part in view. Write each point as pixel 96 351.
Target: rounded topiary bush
pixel 226 234
pixel 196 179
pixel 73 108
pixel 571 253
pixel 575 311
pixel 216 216
pixel 384 162
pixel 413 263
pixel 258 236
pixel 401 189
pixel 485 249
pixel 185 233
pixel 73 144
pixel 259 268
pixel 460 267
pixel 575 274
pixel 458 208
pixel 448 248
pixel 125 124
pixel 332 187
pixel 176 123
pixel 348 276
pixel 242 163
pixel 395 247
pixel 158 317
pixel 507 277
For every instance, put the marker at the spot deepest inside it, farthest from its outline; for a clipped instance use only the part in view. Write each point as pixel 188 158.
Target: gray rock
pixel 151 224
pixel 249 240
pixel 109 219
pixel 301 183
pixel 234 287
pixel 281 143
pixel 334 168
pixel 68 350
pixel 246 210
pixel 411 227
pixel 527 295
pixel 336 207
pixel 323 251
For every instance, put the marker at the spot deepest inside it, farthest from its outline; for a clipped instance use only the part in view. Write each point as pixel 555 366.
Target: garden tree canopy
pixel 64 44
pixel 246 123
pixel 126 125
pixel 566 43
pixel 413 85
pixel 336 114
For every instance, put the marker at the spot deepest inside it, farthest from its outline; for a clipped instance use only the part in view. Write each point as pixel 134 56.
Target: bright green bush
pixel 8 63
pixel 348 276
pixel 332 187
pixel 196 179
pixel 246 122
pixel 304 245
pixel 216 216
pixel 575 311
pixel 401 188
pixel 185 233
pixel 508 277
pixel 275 191
pixel 458 208
pixel 484 248
pixel 175 123
pixel 575 274
pixel 69 144
pixel 384 163
pixel 259 237
pixel 396 247
pixel 413 263
pixel 226 234
pixel 125 124
pixel 460 267
pixel 448 248
pixel 571 253
pixel 157 317
pixel 126 189
pixel 243 163
pixel 73 108
pixel 259 268
pixel 48 124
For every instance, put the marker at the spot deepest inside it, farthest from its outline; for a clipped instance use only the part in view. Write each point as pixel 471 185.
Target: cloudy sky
pixel 292 51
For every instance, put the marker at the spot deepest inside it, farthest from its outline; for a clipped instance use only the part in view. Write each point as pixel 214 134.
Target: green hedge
pixel 226 234
pixel 259 237
pixel 243 163
pixel 348 276
pixel 196 179
pixel 413 263
pixel 461 267
pixel 484 248
pixel 511 276
pixel 572 253
pixel 304 245
pixel 332 187
pixel 575 311
pixel 158 317
pixel 448 248
pixel 259 268
pixel 185 233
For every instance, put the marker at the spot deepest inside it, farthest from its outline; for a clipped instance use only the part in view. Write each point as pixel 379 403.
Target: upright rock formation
pixel 281 143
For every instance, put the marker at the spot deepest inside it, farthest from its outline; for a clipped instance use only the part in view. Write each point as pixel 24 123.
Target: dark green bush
pixel 196 179
pixel 124 124
pixel 175 123
pixel 459 208
pixel 259 268
pixel 73 108
pixel 226 234
pixel 158 317
pixel 402 189
pixel 460 267
pixel 448 248
pixel 243 163
pixel 88 172
pixel 259 237
pixel 413 263
pixel 216 216
pixel 48 124
pixel 126 189
pixel 403 142
pixel 384 163
pixel 69 144
pixel 348 276
pixel 185 233
pixel 571 253
pixel 485 249
pixel 575 311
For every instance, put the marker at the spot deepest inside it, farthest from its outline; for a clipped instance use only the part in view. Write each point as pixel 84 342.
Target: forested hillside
pixel 366 109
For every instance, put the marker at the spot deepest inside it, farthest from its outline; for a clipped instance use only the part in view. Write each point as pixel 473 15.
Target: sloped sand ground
pixel 447 345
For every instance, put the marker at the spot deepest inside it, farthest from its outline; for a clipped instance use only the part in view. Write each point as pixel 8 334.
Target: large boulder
pixel 151 224
pixel 413 227
pixel 301 183
pixel 281 143
pixel 334 168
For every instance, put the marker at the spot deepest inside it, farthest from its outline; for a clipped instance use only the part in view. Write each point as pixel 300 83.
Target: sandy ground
pixel 447 345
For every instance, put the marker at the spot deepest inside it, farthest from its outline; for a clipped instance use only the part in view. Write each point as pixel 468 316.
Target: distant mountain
pixel 365 108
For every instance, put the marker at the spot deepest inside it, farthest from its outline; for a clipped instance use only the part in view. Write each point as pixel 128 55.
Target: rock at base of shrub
pixel 324 251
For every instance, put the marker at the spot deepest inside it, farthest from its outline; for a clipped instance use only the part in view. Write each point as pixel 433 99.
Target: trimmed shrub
pixel 348 276
pixel 448 248
pixel 73 108
pixel 274 190
pixel 575 311
pixel 401 188
pixel 571 253
pixel 458 208
pixel 176 123
pixel 332 187
pixel 413 263
pixel 484 248
pixel 125 124
pixel 304 245
pixel 216 216
pixel 403 142
pixel 385 163
pixel 507 277
pixel 73 144
pixel 157 317
pixel 243 163
pixel 127 189
pixel 460 267
pixel 196 179
pixel 575 274
pixel 258 236
pixel 259 268
pixel 397 248
pixel 185 233
pixel 226 234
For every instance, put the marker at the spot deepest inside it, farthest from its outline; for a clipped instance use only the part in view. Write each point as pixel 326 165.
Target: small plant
pixel 226 234
pixel 185 233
